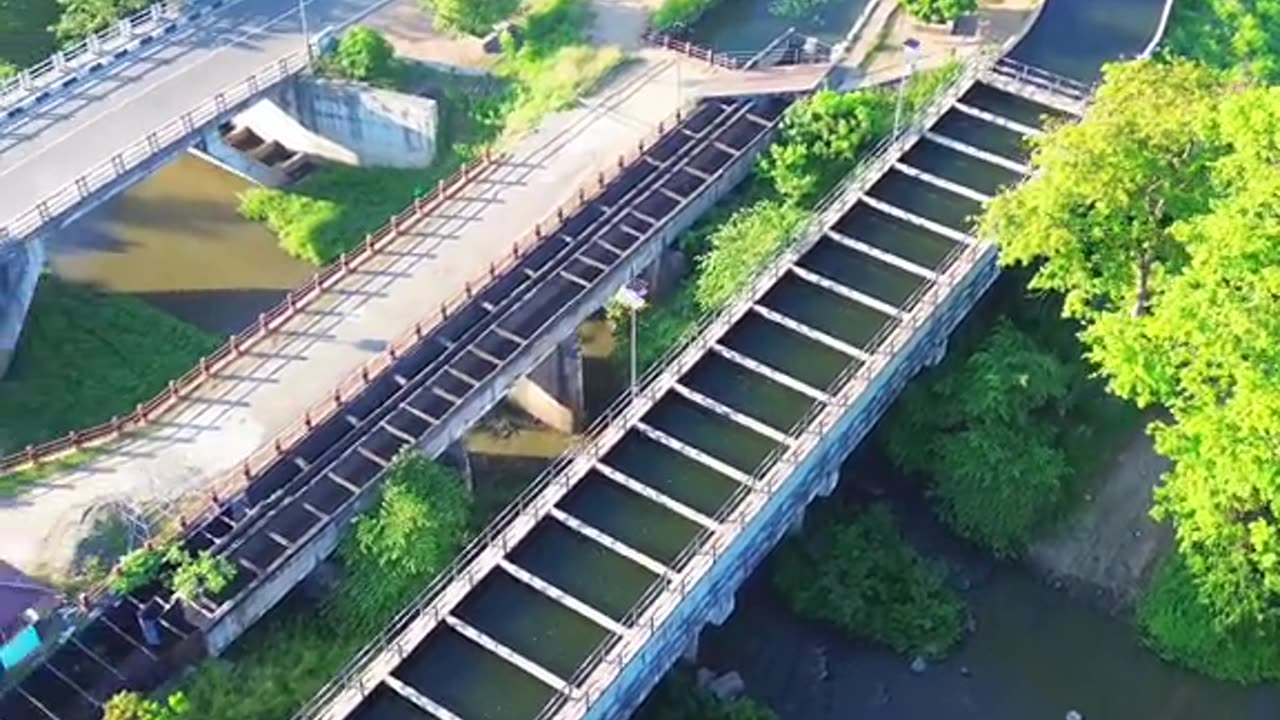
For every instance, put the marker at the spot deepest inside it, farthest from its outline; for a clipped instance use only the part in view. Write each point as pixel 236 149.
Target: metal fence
pixel 532 503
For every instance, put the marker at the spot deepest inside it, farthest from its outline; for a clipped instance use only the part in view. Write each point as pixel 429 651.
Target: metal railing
pixel 78 57
pixel 617 419
pixel 736 60
pixel 1037 76
pixel 143 149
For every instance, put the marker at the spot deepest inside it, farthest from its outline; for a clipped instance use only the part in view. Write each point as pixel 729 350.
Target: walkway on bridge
pixel 211 432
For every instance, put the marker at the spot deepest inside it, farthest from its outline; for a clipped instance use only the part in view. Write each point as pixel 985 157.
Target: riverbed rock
pixel 728 686
pixel 1074 715
pixel 918 665
pixel 704 677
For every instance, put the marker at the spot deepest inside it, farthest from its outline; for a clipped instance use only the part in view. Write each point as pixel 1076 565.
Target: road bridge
pixel 579 597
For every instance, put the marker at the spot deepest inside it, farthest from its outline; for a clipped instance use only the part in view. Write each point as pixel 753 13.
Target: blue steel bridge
pixel 577 600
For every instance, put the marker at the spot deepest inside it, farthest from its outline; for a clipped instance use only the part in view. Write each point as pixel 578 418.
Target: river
pixel 743 25
pixel 176 241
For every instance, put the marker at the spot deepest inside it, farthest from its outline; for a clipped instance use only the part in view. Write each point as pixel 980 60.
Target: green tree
pixel 364 54
pixel 938 11
pixel 859 575
pixel 739 247
pixel 1097 216
pixel 1238 36
pixel 474 17
pixel 980 427
pixel 821 139
pixel 84 17
pixel 204 575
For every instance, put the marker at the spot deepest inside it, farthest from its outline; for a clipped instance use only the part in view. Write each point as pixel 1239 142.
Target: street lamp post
pixel 306 36
pixel 911 48
pixel 633 295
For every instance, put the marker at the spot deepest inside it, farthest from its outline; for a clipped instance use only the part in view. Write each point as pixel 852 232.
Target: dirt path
pixel 1110 544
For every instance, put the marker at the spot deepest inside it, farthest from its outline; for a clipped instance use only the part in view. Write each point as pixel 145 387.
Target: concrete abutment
pixel 20 266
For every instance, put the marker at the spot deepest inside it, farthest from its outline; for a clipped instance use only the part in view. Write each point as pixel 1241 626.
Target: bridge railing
pixel 742 60
pixel 596 441
pixel 91 53
pixel 144 148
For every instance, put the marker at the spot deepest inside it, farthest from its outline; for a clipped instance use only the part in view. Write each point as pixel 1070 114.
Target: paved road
pixel 62 138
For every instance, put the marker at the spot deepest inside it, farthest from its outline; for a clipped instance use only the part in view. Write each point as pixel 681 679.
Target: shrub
pixel 204 575
pixel 474 17
pixel 84 17
pixel 132 706
pixel 739 248
pixel 859 575
pixel 677 15
pixel 979 426
pixel 938 11
pixel 1182 629
pixel 8 70
pixel 139 568
pixel 363 54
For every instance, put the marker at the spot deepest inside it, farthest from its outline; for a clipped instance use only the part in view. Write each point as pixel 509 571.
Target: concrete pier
pixel 20 266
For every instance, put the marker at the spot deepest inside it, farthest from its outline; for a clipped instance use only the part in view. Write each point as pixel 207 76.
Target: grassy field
pixel 84 357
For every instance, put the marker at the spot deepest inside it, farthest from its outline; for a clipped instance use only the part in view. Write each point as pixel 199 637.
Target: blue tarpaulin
pixel 19 647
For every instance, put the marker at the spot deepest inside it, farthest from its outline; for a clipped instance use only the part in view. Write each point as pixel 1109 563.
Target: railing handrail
pixel 728 59
pixel 586 445
pixel 91 45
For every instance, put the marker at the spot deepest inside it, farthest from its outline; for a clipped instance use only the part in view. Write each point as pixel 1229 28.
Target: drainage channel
pixel 518 637
pixel 319 481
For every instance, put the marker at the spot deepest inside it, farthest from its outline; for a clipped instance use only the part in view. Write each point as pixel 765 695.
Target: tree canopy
pixel 1158 218
pixel 474 17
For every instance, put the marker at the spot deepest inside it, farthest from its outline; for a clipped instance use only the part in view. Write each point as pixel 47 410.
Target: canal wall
pixel 213 149
pixel 347 123
pixel 20 267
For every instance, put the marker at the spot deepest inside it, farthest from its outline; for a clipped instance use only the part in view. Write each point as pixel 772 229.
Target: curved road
pixel 58 140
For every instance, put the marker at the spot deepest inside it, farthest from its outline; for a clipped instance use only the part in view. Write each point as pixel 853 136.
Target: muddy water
pixel 176 241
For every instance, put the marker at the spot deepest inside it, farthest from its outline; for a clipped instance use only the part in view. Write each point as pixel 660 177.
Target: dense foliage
pixel 678 697
pixel 475 17
pixel 132 706
pixel 201 575
pixel 392 552
pixel 1241 36
pixel 858 574
pixel 83 17
pixel 938 11
pixel 1158 218
pixel 1178 625
pixel 821 139
pixel 25 34
pixel 86 356
pixel 362 54
pixel 982 428
pixel 679 15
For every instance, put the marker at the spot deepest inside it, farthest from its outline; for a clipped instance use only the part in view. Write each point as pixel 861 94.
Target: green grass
pixel 84 357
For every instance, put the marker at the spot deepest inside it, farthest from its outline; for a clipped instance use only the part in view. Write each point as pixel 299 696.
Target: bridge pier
pixel 20 267
pixel 213 148
pixel 553 392
pixel 457 457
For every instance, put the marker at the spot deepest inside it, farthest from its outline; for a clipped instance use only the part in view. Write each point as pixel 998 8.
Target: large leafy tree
pixel 474 17
pixel 1098 214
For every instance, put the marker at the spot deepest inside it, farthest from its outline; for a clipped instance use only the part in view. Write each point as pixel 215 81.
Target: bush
pixel 132 706
pixel 821 140
pixel 81 18
pixel 740 247
pixel 678 15
pixel 860 576
pixel 938 11
pixel 980 426
pixel 392 552
pixel 204 575
pixel 363 54
pixel 139 568
pixel 1182 629
pixel 474 17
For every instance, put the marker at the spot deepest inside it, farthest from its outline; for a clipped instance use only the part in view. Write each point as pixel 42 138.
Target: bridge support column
pixel 830 479
pixel 666 273
pixel 690 652
pixel 937 351
pixel 553 392
pixel 457 457
pixel 20 266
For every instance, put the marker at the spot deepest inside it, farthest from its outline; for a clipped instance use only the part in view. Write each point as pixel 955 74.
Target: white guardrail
pixel 95 53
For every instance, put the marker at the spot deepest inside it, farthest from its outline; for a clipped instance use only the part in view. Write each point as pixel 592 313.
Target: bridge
pixel 459 362
pixel 579 597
